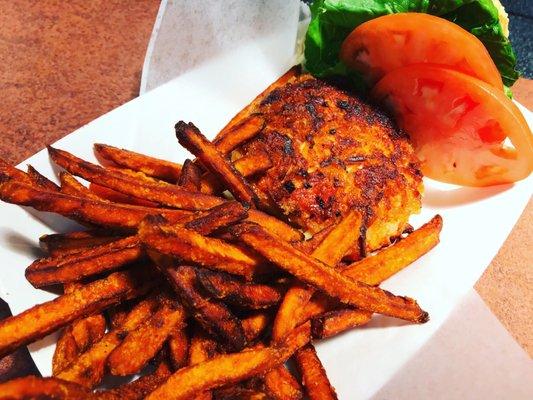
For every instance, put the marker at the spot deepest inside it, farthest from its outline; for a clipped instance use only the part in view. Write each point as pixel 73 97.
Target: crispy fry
pixel 234 291
pixel 334 322
pixel 48 317
pixel 137 389
pixel 247 110
pixel 88 369
pixel 227 369
pixel 8 172
pixel 254 325
pixel 178 345
pixel 219 216
pixel 375 269
pixel 314 376
pixel 71 186
pixel 161 169
pixel 330 251
pixel 192 247
pixel 327 279
pixel 32 387
pixel 213 316
pixel 74 267
pixel 275 226
pixel 116 197
pixel 41 181
pixel 307 246
pixel 202 348
pixel 281 385
pixel 190 137
pixel 92 211
pixel 190 177
pixel 239 393
pixel 233 136
pixel 61 244
pixel 143 343
pixel 162 193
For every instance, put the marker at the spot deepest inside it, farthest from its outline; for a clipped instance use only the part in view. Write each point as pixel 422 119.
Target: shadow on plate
pixel 21 244
pixel 464 195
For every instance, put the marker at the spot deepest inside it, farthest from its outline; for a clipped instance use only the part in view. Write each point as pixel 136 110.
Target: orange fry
pixel 41 181
pixel 32 387
pixel 281 385
pixel 314 376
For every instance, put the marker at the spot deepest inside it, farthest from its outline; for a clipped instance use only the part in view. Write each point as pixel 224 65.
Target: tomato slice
pixel 464 131
pixel 383 44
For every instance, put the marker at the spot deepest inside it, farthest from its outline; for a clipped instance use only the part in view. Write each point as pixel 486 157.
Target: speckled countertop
pixel 65 63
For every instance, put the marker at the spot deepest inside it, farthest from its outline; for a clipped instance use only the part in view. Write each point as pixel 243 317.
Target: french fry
pixel 162 193
pixel 155 167
pixel 233 291
pixel 335 322
pixel 190 137
pixel 190 177
pixel 75 267
pixel 330 251
pixel 8 172
pixel 116 197
pixel 375 269
pixel 218 217
pixel 213 316
pixel 307 246
pixel 41 181
pixel 280 384
pixel 32 387
pixel 227 369
pixel 233 136
pixel 48 317
pixel 92 211
pixel 327 279
pixel 239 393
pixel 191 247
pixel 314 378
pixel 178 345
pixel 143 343
pixel 71 186
pixel 275 226
pixel 254 325
pixel 88 370
pixel 61 244
pixel 202 348
pixel 137 389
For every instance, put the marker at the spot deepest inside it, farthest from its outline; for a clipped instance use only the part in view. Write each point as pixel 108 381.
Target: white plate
pixel 476 221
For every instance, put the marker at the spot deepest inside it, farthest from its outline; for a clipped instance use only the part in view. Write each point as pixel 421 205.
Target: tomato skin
pixel 383 44
pixel 458 125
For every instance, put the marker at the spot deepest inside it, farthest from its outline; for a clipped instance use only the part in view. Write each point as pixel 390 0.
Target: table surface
pixel 66 63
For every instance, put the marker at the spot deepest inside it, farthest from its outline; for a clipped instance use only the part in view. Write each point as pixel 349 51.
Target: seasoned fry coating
pixel 137 389
pixel 254 325
pixel 202 348
pixel 57 244
pixel 71 186
pixel 88 370
pixel 32 387
pixel 143 343
pixel 48 317
pixel 7 172
pixel 231 137
pixel 227 369
pixel 190 177
pixel 239 393
pixel 178 346
pixel 330 251
pixel 155 167
pixel 252 164
pixel 191 247
pixel 93 211
pixel 113 196
pixel 213 316
pixel 327 279
pixel 234 291
pixel 41 181
pixel 281 385
pixel 217 217
pixel 375 269
pixel 162 193
pixel 75 267
pixel 192 139
pixel 314 376
pixel 334 322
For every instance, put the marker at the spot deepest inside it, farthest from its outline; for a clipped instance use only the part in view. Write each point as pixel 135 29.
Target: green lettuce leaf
pixel 333 20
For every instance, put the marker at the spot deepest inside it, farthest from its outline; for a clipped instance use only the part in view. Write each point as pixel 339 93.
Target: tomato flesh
pixel 464 131
pixel 383 44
